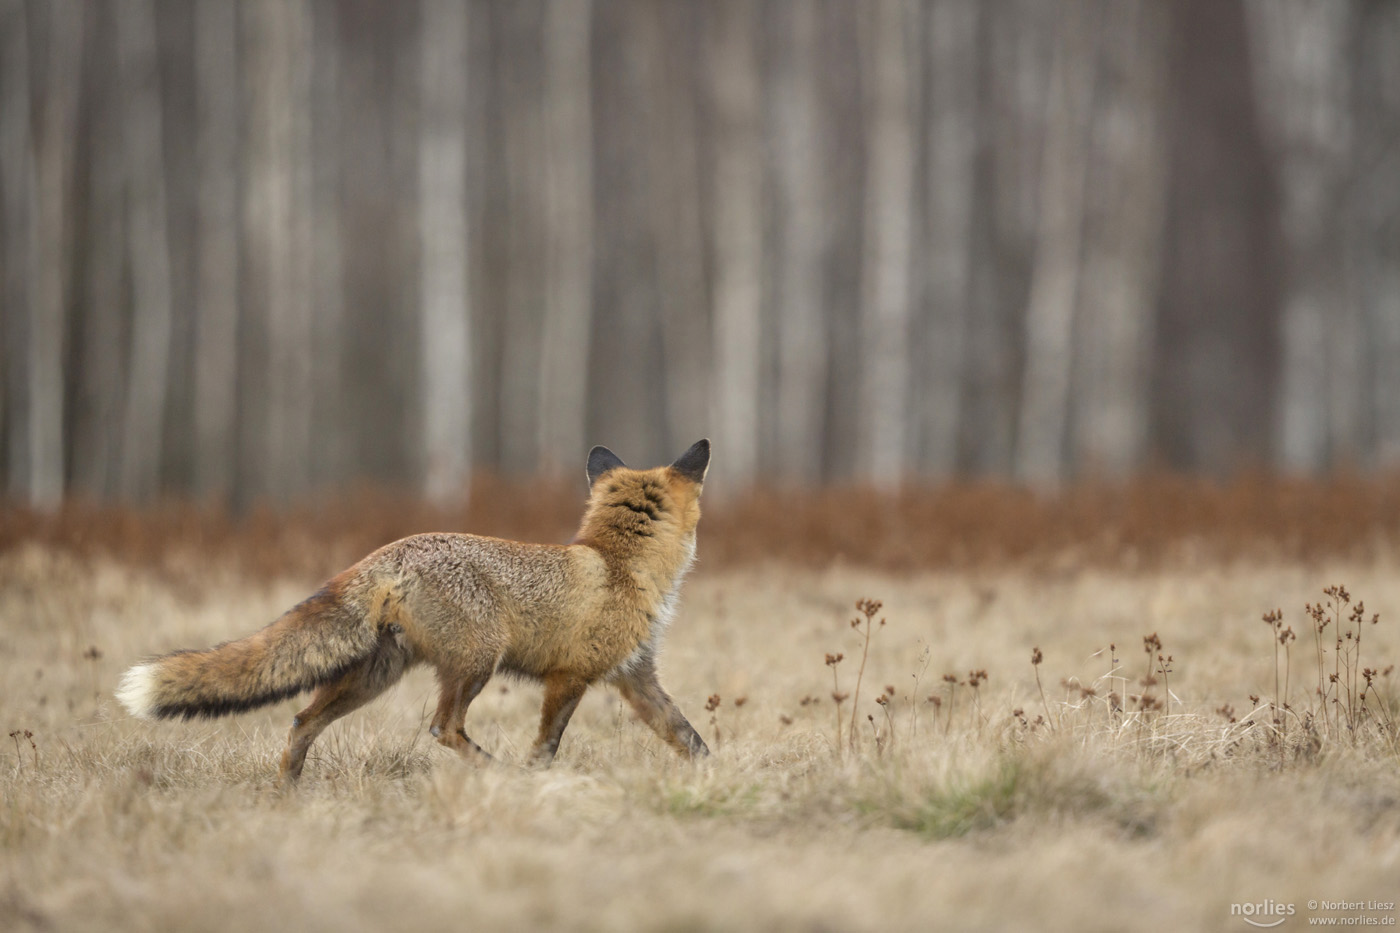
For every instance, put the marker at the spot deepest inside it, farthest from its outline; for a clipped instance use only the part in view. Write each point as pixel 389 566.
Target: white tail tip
pixel 137 690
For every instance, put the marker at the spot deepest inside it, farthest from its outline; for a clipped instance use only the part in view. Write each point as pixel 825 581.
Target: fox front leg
pixel 562 693
pixel 656 708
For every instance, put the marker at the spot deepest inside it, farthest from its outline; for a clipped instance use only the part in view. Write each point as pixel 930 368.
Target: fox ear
pixel 600 461
pixel 694 462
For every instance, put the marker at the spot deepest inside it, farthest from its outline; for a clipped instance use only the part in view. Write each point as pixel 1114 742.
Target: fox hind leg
pixel 449 723
pixel 354 689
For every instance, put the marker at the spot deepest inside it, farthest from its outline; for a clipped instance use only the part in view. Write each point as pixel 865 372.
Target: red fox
pixel 470 606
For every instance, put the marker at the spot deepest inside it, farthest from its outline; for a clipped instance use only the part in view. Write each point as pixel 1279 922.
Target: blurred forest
pixel 256 249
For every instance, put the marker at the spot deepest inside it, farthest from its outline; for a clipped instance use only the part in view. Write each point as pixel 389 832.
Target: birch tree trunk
pixel 568 310
pixel 1015 50
pixel 1374 206
pixel 217 288
pixel 886 279
pixel 1301 56
pixel 276 215
pixel 738 241
pixel 101 334
pixel 665 34
pixel 54 253
pixel 1215 341
pixel 1121 265
pixel 331 461
pixel 148 253
pixel 446 330
pixel 801 207
pixel 522 96
pixel 1055 280
pixel 951 34
pixel 17 185
pixel 36 184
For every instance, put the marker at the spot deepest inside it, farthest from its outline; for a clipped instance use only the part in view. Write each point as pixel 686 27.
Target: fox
pixel 566 615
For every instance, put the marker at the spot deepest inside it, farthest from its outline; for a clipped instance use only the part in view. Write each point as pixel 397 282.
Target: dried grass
pixel 969 813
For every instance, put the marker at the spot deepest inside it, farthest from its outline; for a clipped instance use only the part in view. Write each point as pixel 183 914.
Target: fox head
pixel 658 503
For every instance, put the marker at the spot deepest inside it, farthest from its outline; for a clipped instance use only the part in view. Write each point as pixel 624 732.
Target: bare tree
pixel 216 292
pixel 101 329
pixel 276 216
pixel 886 276
pixel 36 185
pixel 666 45
pixel 1374 206
pixel 1214 350
pixel 1125 214
pixel 1301 53
pixel 17 184
pixel 522 99
pixel 446 331
pixel 148 252
pixel 951 32
pixel 568 310
pixel 1016 45
pixel 331 457
pixel 738 240
pixel 1055 281
pixel 801 207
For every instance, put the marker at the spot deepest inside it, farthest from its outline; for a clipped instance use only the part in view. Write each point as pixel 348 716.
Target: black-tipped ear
pixel 694 462
pixel 600 461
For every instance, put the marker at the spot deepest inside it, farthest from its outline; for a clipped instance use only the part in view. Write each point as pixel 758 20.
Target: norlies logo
pixel 1268 913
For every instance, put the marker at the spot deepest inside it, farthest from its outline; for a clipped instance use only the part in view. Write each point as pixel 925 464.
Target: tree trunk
pixel 1374 206
pixel 101 332
pixel 17 184
pixel 217 291
pixel 1301 55
pixel 886 279
pixel 36 185
pixel 332 462
pixel 953 138
pixel 278 235
pixel 665 37
pixel 738 241
pixel 1215 349
pixel 1056 278
pixel 1122 234
pixel 1015 50
pixel 522 98
pixel 801 218
pixel 446 330
pixel 148 253
pixel 568 311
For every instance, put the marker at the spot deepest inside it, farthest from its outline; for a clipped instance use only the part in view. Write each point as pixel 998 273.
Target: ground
pixel 995 807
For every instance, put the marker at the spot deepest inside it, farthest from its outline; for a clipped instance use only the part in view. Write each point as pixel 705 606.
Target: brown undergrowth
pixel 1143 523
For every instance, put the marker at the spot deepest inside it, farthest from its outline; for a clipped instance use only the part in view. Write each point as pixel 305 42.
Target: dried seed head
pixel 1036 656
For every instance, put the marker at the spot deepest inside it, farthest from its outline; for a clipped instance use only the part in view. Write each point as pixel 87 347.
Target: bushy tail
pixel 313 643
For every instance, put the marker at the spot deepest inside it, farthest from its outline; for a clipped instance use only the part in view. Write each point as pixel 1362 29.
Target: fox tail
pixel 313 643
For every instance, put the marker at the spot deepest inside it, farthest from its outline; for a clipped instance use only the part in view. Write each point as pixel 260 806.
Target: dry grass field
pixel 1093 791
